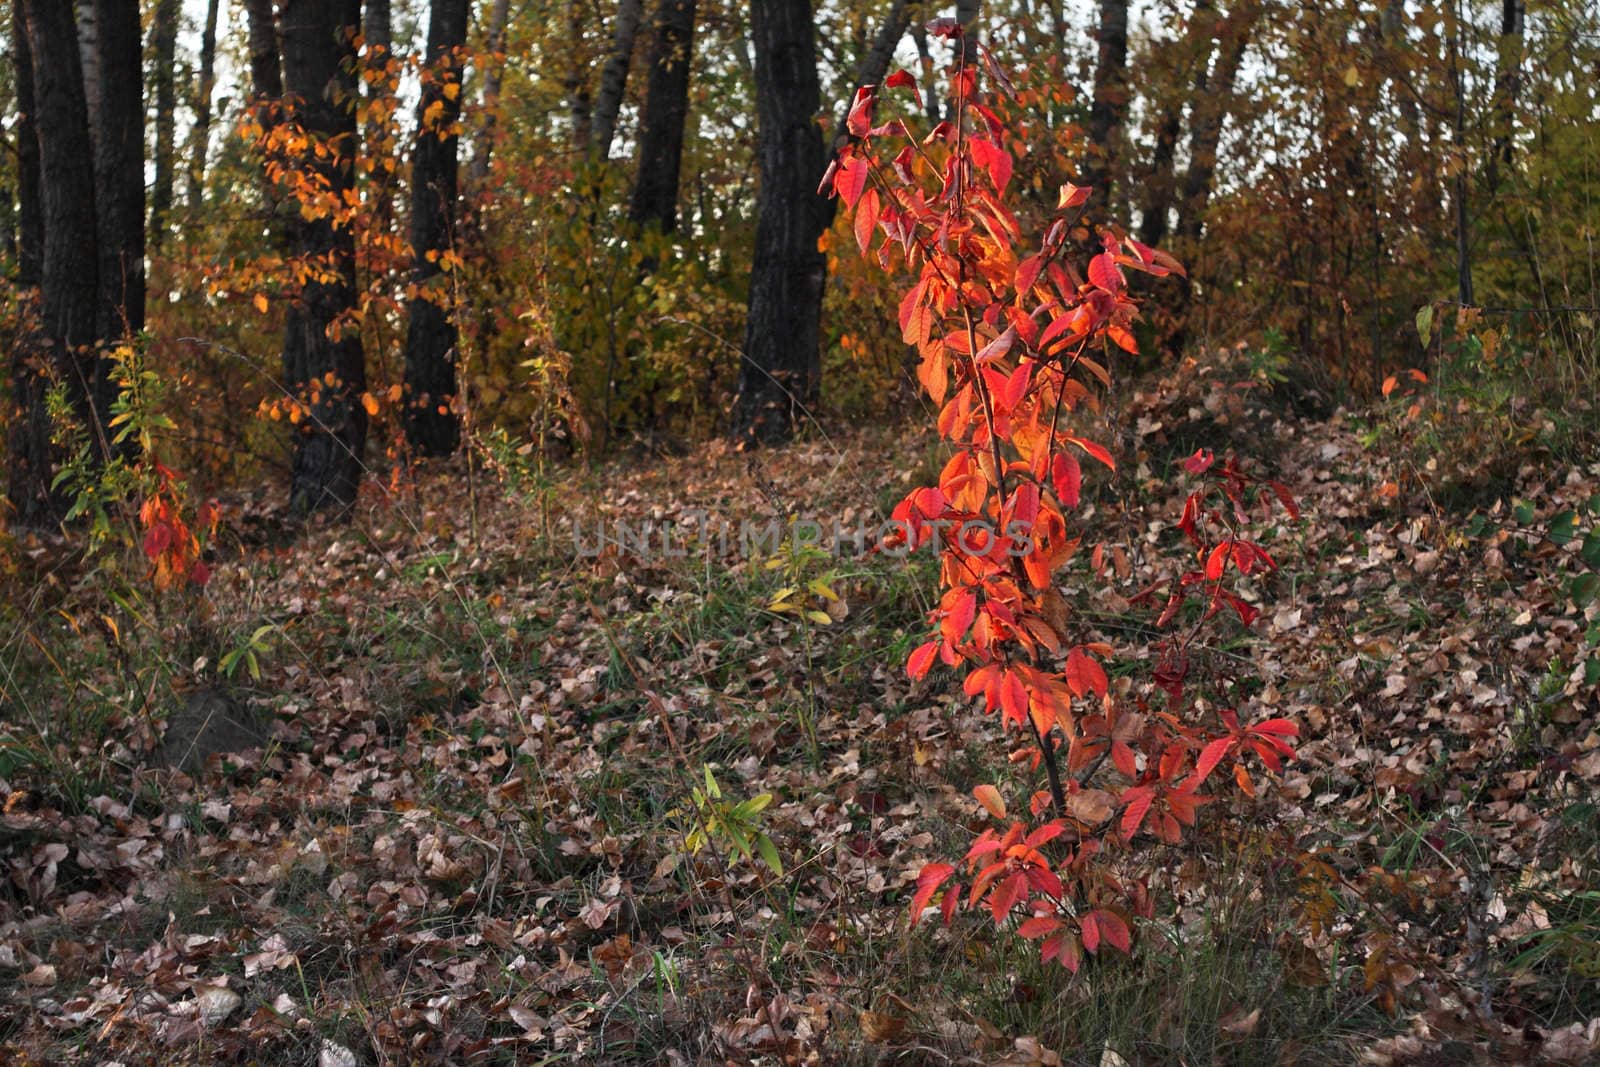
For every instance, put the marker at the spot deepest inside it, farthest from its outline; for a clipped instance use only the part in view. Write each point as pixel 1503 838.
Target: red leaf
pixel 1210 756
pixel 860 119
pixel 1038 926
pixel 1085 675
pixel 959 618
pixel 1217 561
pixel 1200 462
pixel 921 660
pixel 1109 925
pixel 1097 451
pixel 866 220
pixel 1068 479
pixel 1142 796
pixel 929 879
pixel 1104 272
pixel 851 179
pixel 1072 196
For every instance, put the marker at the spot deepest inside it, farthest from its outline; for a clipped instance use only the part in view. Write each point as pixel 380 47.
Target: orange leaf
pixel 990 798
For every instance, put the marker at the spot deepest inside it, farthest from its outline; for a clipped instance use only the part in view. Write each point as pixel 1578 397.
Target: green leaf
pixel 1524 512
pixel 769 854
pixel 1585 588
pixel 1425 324
pixel 1563 527
pixel 1590 552
pixel 1591 671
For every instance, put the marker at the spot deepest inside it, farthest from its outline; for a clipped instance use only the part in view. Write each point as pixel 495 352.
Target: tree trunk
pixel 70 289
pixel 1208 117
pixel 1110 102
pixel 1161 186
pixel 930 94
pixel 479 170
pixel 89 56
pixel 779 374
pixel 666 113
pixel 266 76
pixel 579 104
pixel 319 76
pixel 1507 88
pixel 164 45
pixel 119 173
pixel 1205 134
pixel 431 426
pixel 201 134
pixel 377 28
pixel 29 456
pixel 614 78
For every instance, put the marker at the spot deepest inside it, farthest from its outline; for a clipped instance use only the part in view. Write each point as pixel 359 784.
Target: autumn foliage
pixel 1013 340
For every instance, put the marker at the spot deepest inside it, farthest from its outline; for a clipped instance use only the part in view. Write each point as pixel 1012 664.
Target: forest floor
pixel 465 840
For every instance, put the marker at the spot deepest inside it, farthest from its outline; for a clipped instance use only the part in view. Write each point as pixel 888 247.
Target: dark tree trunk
pixel 70 289
pixel 479 170
pixel 614 78
pixel 266 91
pixel 119 172
pixel 930 93
pixel 201 143
pixel 431 426
pixel 377 29
pixel 579 103
pixel 319 76
pixel 666 113
pixel 1507 88
pixel 164 46
pixel 89 56
pixel 266 77
pixel 780 373
pixel 1205 135
pixel 1206 121
pixel 1109 104
pixel 1161 185
pixel 29 455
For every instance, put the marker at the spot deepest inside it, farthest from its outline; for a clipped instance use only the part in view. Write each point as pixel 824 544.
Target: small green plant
pixel 248 653
pixel 723 822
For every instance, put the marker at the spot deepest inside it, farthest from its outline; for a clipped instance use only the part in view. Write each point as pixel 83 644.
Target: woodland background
pixel 325 320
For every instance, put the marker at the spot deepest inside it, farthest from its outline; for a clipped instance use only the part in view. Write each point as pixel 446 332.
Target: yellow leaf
pixel 1352 76
pixel 370 402
pixel 261 303
pixel 451 90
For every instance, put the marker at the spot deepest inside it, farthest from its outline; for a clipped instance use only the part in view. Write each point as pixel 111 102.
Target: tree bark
pixel 29 455
pixel 377 28
pixel 164 45
pixel 89 56
pixel 614 78
pixel 1110 102
pixel 1507 88
pixel 1161 185
pixel 70 289
pixel 1208 117
pixel 780 373
pixel 201 135
pixel 119 172
pixel 579 103
pixel 266 75
pixel 431 426
pixel 1205 134
pixel 319 75
pixel 479 168
pixel 666 113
